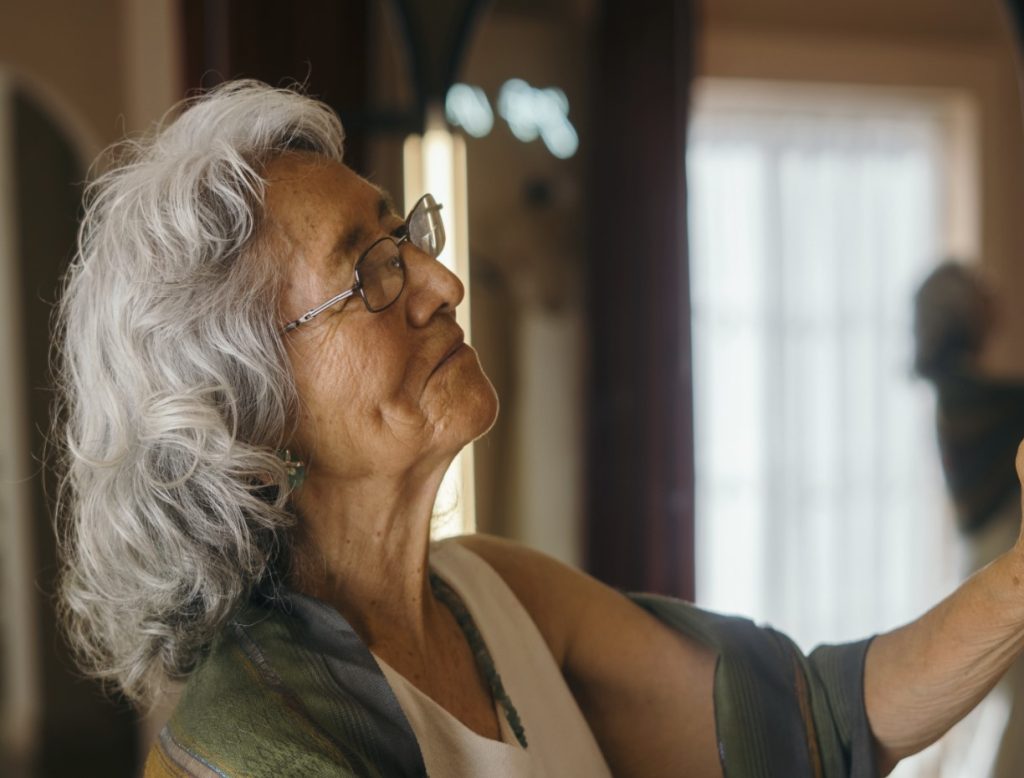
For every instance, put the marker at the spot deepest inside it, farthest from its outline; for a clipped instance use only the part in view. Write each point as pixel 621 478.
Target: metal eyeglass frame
pixel 428 202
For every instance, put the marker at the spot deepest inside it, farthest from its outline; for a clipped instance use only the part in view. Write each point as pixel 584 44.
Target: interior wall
pixel 964 20
pixel 85 74
pixel 74 50
pixel 947 44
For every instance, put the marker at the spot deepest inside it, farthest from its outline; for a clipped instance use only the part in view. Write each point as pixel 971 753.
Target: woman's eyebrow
pixel 386 206
pixel 355 235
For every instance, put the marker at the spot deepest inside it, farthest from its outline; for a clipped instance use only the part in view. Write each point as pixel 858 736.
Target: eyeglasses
pixel 380 270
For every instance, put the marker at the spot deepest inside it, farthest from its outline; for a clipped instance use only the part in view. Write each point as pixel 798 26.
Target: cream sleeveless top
pixel 559 742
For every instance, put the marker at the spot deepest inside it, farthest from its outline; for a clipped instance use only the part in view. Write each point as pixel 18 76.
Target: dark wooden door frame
pixel 640 474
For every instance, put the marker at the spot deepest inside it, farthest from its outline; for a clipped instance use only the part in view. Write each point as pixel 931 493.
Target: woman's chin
pixel 471 406
pixel 477 408
pixel 489 411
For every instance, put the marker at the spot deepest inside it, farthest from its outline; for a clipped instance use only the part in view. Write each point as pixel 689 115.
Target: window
pixel 813 218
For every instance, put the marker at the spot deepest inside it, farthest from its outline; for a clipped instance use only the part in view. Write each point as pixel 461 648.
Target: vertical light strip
pixel 436 162
pixel 20 667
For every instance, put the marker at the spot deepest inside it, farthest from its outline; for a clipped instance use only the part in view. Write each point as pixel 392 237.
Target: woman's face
pixel 380 393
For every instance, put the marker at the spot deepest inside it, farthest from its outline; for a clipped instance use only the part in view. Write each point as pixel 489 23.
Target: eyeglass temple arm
pixel 319 309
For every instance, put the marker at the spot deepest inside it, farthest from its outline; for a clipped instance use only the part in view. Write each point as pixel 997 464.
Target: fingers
pixel 1019 462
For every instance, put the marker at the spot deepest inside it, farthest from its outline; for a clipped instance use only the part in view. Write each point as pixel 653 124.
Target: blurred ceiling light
pixel 467 107
pixel 545 112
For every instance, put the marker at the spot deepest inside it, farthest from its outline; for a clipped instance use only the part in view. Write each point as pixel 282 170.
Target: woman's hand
pixel 1018 547
pixel 922 678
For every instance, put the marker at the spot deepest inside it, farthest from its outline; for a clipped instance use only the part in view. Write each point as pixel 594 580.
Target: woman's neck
pixel 362 546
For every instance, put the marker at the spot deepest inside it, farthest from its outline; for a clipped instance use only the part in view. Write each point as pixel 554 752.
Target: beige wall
pixel 105 67
pixel 73 51
pixel 963 45
pixel 100 69
pixel 961 19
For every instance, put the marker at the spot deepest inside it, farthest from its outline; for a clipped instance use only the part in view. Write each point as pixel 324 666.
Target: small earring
pixel 295 468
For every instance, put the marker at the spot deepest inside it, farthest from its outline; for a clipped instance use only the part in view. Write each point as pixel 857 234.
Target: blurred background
pixel 745 275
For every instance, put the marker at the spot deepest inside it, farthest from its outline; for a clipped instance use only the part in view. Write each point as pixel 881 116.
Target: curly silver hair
pixel 175 390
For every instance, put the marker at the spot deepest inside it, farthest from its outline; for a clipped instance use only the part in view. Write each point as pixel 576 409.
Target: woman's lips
pixel 455 349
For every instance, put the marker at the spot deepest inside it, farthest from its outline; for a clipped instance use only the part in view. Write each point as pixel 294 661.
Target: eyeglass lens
pixel 382 272
pixel 426 230
pixel 381 275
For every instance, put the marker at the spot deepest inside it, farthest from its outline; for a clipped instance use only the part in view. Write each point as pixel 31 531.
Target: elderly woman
pixel 263 385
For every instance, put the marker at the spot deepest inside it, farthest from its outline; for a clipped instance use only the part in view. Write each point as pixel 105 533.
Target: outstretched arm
pixel 922 678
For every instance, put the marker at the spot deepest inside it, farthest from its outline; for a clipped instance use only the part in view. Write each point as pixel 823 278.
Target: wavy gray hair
pixel 174 386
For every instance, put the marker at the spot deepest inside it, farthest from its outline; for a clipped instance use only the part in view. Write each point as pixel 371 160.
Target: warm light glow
pixel 436 162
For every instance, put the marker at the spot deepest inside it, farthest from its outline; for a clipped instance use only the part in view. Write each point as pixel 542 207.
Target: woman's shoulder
pixel 565 603
pixel 626 663
pixel 526 572
pixel 232 719
pixel 253 707
pixel 516 563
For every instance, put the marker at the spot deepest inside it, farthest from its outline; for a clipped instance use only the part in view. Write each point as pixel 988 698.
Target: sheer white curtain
pixel 820 504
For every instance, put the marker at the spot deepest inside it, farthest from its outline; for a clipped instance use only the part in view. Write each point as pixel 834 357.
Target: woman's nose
pixel 431 286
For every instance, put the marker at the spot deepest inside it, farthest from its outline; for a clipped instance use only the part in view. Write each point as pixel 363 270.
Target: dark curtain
pixel 1016 10
pixel 327 46
pixel 639 502
pixel 320 43
pixel 1015 18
